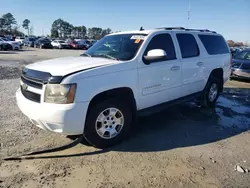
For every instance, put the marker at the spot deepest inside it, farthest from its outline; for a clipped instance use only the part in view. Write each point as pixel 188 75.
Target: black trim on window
pixel 168 47
pixel 185 45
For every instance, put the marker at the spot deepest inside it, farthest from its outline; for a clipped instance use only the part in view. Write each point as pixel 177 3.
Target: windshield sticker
pixel 139 37
pixel 137 41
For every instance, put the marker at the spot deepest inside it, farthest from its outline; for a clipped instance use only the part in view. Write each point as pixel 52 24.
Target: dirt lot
pixel 184 146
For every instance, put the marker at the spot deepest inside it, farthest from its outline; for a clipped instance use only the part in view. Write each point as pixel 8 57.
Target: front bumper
pixel 68 119
pixel 16 47
pixel 240 73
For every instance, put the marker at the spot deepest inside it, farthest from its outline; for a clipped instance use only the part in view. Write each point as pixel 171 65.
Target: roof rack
pixel 184 29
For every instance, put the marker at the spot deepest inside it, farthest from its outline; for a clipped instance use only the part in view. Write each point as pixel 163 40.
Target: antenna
pixel 189 10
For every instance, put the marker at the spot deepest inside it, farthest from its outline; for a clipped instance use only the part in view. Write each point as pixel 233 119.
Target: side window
pixel 188 45
pixel 214 44
pixel 164 42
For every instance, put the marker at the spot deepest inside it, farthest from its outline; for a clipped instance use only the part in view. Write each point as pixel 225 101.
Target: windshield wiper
pixel 106 56
pixel 85 54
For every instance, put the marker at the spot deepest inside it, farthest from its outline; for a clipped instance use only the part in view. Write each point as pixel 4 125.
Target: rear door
pixel 192 66
pixel 160 81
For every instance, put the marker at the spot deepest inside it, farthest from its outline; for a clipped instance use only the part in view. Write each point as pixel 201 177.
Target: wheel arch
pixel 123 93
pixel 217 74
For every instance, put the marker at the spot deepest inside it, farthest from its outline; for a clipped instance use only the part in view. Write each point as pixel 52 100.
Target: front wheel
pixel 211 92
pixel 107 123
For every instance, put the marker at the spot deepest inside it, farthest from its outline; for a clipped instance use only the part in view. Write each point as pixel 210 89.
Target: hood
pixel 67 65
pixel 12 42
pixel 241 61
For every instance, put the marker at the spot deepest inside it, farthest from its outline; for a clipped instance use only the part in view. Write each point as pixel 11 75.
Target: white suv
pixel 124 74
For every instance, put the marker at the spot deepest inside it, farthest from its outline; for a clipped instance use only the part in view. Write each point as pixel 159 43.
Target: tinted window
pixel 214 44
pixel 188 45
pixel 164 42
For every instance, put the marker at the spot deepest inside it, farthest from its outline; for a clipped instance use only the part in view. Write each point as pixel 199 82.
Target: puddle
pixel 232 113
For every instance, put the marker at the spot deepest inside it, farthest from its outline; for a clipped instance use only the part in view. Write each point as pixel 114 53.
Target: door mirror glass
pixel 155 56
pixel 156 53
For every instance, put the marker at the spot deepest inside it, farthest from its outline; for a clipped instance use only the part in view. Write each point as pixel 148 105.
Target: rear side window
pixel 214 44
pixel 188 45
pixel 164 42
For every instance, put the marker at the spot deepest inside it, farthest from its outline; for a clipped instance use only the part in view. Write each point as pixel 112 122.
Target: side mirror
pixel 155 56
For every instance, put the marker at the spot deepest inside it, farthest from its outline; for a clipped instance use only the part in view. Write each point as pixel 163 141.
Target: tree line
pixel 232 43
pixel 63 29
pixel 9 26
pixel 59 29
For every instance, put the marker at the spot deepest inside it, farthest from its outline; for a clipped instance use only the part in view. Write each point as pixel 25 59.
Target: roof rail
pixel 172 28
pixel 182 28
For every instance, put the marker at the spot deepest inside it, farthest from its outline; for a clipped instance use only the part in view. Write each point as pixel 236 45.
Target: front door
pixel 160 82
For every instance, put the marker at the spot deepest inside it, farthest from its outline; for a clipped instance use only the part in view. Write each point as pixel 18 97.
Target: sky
pixel 231 18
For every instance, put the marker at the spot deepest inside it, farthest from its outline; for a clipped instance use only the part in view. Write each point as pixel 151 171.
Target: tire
pixel 92 124
pixel 211 92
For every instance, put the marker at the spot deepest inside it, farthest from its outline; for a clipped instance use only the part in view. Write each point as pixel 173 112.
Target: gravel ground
pixel 184 146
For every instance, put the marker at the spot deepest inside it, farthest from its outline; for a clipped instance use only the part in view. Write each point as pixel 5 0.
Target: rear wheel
pixel 211 92
pixel 107 123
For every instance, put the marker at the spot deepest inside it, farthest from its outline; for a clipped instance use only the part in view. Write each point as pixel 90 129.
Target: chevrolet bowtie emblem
pixel 24 86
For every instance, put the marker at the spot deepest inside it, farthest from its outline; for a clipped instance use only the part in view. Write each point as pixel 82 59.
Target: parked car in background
pixel 84 45
pixel 20 40
pixel 15 45
pixel 99 94
pixel 235 51
pixel 61 44
pixel 5 46
pixel 29 41
pixel 75 45
pixel 241 65
pixel 42 43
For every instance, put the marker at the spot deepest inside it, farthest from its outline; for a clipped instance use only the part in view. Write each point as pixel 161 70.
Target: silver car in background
pixel 241 65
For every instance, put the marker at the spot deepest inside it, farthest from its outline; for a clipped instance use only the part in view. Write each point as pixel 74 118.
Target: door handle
pixel 199 63
pixel 174 68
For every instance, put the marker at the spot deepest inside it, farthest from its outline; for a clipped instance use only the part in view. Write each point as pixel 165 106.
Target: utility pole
pixel 189 10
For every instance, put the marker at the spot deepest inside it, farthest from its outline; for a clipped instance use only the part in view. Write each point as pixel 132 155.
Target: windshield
pixel 243 55
pixel 4 39
pixel 43 40
pixel 61 41
pixel 120 46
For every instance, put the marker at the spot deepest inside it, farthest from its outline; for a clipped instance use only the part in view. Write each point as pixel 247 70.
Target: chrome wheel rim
pixel 213 92
pixel 109 123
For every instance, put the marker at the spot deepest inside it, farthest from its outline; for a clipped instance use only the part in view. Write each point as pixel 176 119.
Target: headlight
pixel 60 93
